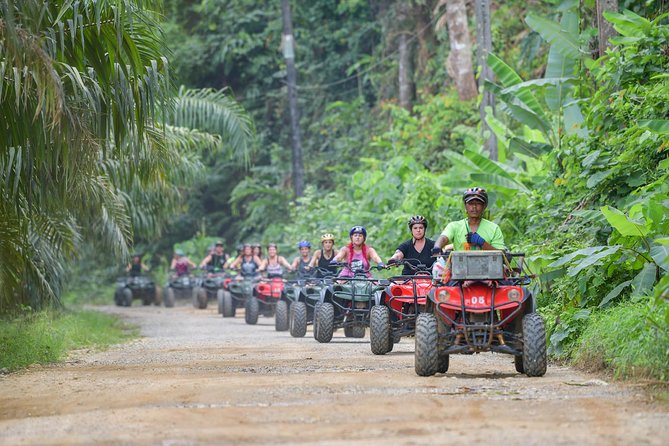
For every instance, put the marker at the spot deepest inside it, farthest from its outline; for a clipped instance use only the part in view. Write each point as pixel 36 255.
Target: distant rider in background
pixel 323 256
pixel 301 262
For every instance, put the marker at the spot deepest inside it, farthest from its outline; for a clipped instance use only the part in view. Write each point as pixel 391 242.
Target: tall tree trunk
pixel 426 41
pixel 405 72
pixel 459 62
pixel 605 28
pixel 484 44
pixel 291 78
pixel 405 49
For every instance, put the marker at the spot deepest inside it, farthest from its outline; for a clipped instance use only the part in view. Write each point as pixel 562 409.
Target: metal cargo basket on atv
pixel 477 265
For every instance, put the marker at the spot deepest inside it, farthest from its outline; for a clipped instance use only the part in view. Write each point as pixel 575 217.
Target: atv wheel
pixel 324 323
pixel 380 335
pixel 118 297
pixel 229 308
pixel 534 345
pixel 169 297
pixel 298 319
pixel 252 307
pixel 147 298
pixel 426 357
pixel 199 298
pixel 354 331
pixel 127 297
pixel 518 362
pixel 219 299
pixel 443 363
pixel 158 296
pixel 281 316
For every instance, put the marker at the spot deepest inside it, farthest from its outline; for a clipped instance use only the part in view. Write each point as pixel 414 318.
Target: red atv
pixel 394 314
pixel 267 293
pixel 484 305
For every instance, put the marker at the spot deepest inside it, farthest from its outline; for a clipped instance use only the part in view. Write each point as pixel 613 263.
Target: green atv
pixel 303 300
pixel 346 303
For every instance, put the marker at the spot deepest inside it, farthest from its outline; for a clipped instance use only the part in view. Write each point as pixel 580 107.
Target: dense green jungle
pixel 147 125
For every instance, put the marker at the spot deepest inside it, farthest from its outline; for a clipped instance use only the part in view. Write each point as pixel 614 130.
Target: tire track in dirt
pixel 196 378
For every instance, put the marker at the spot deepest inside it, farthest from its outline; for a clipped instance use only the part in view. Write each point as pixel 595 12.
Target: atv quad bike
pixel 238 292
pixel 304 298
pixel 266 296
pixel 224 290
pixel 208 287
pixel 394 314
pixel 346 303
pixel 179 287
pixel 484 305
pixel 136 287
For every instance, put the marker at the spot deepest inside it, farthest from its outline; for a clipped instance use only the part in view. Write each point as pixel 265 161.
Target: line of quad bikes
pixel 485 305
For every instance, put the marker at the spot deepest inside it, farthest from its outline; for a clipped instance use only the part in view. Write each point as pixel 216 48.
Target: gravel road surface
pixel 195 378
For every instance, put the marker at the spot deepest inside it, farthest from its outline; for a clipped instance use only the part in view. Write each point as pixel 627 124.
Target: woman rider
pixel 136 267
pixel 357 254
pixel 301 262
pixel 418 250
pixel 248 264
pixel 323 256
pixel 257 250
pixel 274 263
pixel 180 263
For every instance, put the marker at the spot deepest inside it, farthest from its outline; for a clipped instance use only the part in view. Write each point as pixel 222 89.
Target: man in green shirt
pixel 473 232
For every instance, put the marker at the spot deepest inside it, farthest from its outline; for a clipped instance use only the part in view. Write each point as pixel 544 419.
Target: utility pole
pixel 484 43
pixel 288 43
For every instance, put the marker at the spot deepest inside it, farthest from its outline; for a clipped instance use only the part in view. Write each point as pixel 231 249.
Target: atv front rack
pixel 480 331
pixel 401 281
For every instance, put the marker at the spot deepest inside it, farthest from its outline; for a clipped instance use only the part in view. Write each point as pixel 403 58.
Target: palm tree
pixel 86 152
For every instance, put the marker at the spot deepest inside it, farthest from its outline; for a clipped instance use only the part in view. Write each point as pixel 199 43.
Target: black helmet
pixel 418 220
pixel 358 230
pixel 475 193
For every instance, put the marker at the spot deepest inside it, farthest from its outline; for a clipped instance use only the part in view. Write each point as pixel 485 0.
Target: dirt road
pixel 196 378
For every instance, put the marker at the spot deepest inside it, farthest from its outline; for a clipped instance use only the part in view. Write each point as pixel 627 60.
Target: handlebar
pixel 408 262
pixel 359 270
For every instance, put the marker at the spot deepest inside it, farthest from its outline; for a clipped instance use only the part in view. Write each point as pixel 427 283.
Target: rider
pixel 323 256
pixel 473 232
pixel 257 250
pixel 135 267
pixel 418 250
pixel 216 259
pixel 357 254
pixel 301 262
pixel 274 263
pixel 180 263
pixel 248 263
pixel 240 249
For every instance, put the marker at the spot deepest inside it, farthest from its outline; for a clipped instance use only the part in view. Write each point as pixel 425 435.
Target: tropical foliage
pixel 93 146
pixel 99 146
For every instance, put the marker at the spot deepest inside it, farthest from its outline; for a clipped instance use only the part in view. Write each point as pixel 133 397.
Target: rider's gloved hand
pixel 436 250
pixel 393 262
pixel 381 265
pixel 334 262
pixel 475 239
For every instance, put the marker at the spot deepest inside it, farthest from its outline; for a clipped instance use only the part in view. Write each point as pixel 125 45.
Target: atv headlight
pixel 443 295
pixel 514 295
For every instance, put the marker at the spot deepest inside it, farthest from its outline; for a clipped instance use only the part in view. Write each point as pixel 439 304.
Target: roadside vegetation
pixel 48 336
